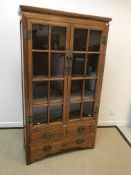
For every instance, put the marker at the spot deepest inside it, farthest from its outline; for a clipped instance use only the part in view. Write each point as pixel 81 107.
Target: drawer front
pixel 41 150
pixel 80 129
pixel 83 141
pixel 47 135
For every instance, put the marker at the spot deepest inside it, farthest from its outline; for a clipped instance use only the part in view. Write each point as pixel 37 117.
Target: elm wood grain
pixel 80 141
pixel 91 24
pixel 62 13
pixel 47 135
pixel 25 88
pixel 69 138
pixel 80 129
pixel 38 151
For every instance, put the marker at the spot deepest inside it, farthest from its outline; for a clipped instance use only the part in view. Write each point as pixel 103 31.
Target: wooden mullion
pixel 82 78
pixel 42 78
pixel 49 69
pixel 87 45
pixel 69 76
pixel 58 51
pixel 46 104
pixel 85 100
pixel 79 52
pixel 91 52
pixel 39 50
pixel 90 78
pixel 49 50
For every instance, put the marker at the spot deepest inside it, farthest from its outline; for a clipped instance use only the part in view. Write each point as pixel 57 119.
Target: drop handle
pixel 80 141
pixel 47 135
pixel 81 129
pixel 47 147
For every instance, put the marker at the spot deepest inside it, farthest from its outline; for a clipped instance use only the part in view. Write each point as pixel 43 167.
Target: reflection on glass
pixel 40 90
pixel 78 64
pixel 58 38
pixel 88 109
pixel 39 36
pixel 56 113
pixel 94 40
pixel 76 89
pixel 74 112
pixel 80 39
pixel 40 115
pixel 57 64
pixel 89 91
pixel 40 64
pixel 92 64
pixel 56 90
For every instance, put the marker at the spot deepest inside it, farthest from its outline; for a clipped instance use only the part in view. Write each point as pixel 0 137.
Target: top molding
pixel 62 13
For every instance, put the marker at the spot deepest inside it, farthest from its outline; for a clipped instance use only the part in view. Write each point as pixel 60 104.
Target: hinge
pixel 104 40
pixel 28 119
pixel 27 34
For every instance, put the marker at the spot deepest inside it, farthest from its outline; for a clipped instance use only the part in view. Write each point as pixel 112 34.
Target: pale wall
pixel 116 92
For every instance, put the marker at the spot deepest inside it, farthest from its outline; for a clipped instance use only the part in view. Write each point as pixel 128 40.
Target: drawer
pixel 83 141
pixel 79 129
pixel 41 150
pixel 47 135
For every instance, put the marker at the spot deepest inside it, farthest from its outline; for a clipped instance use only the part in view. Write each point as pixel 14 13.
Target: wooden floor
pixel 111 156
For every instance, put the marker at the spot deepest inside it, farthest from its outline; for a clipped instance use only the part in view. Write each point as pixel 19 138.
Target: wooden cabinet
pixel 63 57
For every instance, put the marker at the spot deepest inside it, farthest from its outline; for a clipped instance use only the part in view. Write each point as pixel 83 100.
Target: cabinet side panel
pixel 25 89
pixel 101 69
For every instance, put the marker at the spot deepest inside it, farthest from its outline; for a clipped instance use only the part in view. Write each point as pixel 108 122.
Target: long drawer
pixel 80 129
pixel 41 150
pixel 47 135
pixel 83 141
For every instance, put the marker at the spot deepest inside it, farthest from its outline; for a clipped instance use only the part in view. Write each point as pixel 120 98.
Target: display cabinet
pixel 63 57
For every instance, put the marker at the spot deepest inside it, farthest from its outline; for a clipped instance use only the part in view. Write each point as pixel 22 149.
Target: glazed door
pixel 47 76
pixel 84 76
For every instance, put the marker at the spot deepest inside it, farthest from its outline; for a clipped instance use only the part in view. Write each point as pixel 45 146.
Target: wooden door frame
pixel 49 23
pixel 100 68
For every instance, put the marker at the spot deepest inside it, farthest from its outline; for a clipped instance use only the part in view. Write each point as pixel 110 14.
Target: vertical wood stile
pixel 49 74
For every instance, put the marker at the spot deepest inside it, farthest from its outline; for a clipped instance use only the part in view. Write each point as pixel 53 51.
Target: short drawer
pixel 47 135
pixel 41 150
pixel 84 141
pixel 79 129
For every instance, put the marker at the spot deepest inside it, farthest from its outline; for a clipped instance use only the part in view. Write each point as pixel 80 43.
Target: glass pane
pixel 56 90
pixel 80 39
pixel 94 40
pixel 74 112
pixel 89 88
pixel 40 91
pixel 57 64
pixel 56 113
pixel 76 89
pixel 39 36
pixel 58 38
pixel 88 109
pixel 40 64
pixel 78 64
pixel 92 64
pixel 40 115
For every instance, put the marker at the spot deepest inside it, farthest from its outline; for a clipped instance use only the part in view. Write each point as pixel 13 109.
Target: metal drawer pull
pixel 47 147
pixel 47 135
pixel 80 141
pixel 81 129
